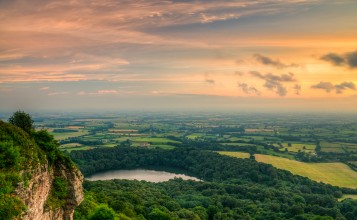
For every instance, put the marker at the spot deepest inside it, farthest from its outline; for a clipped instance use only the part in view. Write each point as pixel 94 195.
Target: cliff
pixel 39 181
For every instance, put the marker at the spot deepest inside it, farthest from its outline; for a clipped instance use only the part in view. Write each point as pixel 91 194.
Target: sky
pixel 243 55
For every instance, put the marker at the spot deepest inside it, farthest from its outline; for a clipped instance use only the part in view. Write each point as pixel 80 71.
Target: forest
pixel 231 188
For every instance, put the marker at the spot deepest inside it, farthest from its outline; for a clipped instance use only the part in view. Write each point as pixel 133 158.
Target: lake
pixel 139 174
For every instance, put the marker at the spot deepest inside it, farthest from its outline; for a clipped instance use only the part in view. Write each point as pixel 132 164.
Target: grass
pixel 146 139
pixel 194 136
pixel 153 140
pixel 234 154
pixel 70 145
pixel 65 135
pixel 238 144
pixel 295 147
pixel 347 196
pixel 239 139
pixel 353 162
pixel 77 148
pixel 337 147
pixel 337 174
pixel 256 138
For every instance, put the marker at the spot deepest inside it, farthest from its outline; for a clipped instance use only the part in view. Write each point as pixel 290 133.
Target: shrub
pixel 22 120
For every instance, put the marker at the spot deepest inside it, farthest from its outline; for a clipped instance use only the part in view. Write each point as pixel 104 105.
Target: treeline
pixel 232 188
pixel 178 199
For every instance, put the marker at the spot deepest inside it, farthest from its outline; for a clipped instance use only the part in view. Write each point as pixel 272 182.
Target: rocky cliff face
pixel 36 192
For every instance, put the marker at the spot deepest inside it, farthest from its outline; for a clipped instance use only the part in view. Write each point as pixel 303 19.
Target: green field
pixel 347 196
pixel 296 147
pixel 234 154
pixel 70 145
pixel 338 147
pixel 194 136
pixel 153 140
pixel 65 135
pixel 353 162
pixel 238 144
pixel 337 174
pixel 77 148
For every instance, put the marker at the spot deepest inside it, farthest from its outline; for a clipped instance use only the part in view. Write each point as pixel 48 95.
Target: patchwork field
pixel 337 174
pixel 338 147
pixel 77 148
pixel 296 147
pixel 64 135
pixel 347 196
pixel 234 154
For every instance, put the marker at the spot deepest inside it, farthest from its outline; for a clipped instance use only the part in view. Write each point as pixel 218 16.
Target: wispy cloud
pixel 343 86
pixel 248 89
pixel 348 59
pixel 275 63
pixel 339 88
pixel 107 92
pixel 210 81
pixel 208 78
pixel 100 92
pixel 90 48
pixel 297 89
pixel 275 82
pixel 327 86
pixel 333 58
pixel 45 88
pixel 57 93
pixel 76 37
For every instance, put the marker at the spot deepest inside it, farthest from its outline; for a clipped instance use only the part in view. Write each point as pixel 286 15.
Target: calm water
pixel 139 174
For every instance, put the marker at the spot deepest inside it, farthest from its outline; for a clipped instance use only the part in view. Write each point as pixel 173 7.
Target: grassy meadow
pixel 337 174
pixel 234 154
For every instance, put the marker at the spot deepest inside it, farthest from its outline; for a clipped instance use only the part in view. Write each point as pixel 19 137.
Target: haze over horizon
pixel 274 55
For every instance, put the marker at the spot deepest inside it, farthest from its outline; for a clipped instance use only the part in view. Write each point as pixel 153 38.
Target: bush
pixel 60 188
pixel 9 155
pixel 103 212
pixel 22 120
pixel 47 143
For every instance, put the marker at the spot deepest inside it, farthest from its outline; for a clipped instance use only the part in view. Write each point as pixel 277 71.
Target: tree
pixel 157 214
pixel 9 155
pixel 22 120
pixel 103 212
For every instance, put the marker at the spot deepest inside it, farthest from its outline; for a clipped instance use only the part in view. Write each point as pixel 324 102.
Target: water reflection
pixel 139 174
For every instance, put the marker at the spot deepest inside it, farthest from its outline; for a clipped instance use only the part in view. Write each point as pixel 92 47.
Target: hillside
pixel 336 174
pixel 37 181
pixel 231 188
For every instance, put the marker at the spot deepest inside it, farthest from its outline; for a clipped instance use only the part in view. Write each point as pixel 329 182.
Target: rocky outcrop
pixel 36 191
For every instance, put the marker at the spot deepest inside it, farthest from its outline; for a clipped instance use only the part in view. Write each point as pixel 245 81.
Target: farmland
pixel 234 154
pixel 337 174
pixel 323 148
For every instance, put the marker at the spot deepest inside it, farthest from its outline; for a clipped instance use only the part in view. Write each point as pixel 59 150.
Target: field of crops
pixel 296 147
pixel 234 154
pixel 337 174
pixel 64 135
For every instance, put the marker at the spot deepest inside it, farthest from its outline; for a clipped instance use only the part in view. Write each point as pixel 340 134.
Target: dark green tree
pixel 47 143
pixel 157 214
pixel 22 120
pixel 103 212
pixel 9 155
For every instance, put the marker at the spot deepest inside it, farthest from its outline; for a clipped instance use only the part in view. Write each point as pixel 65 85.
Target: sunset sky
pixel 274 55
